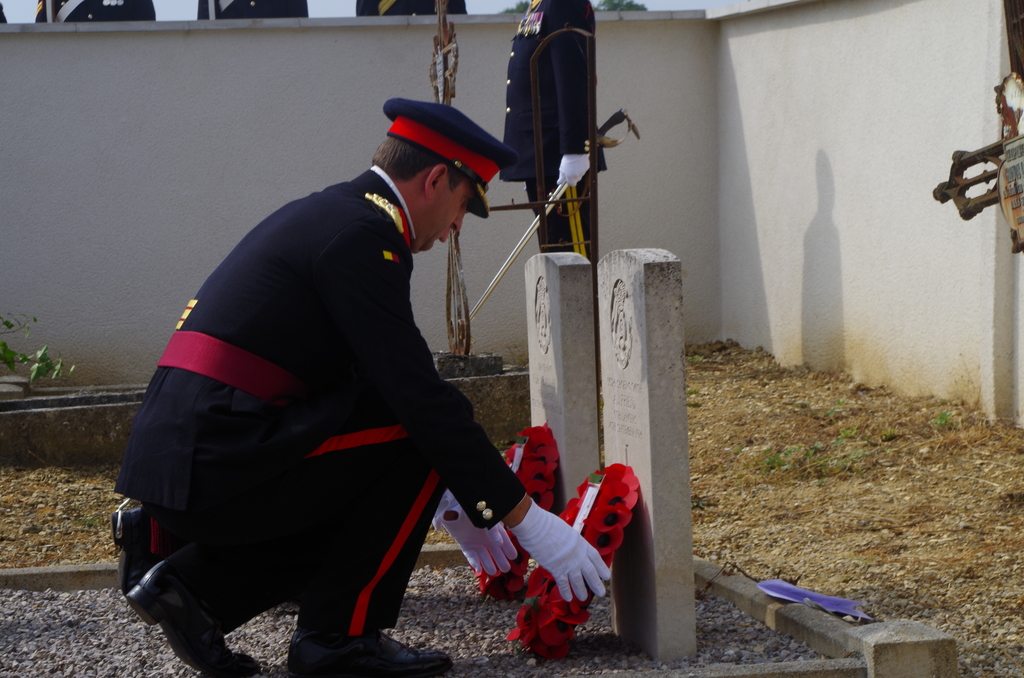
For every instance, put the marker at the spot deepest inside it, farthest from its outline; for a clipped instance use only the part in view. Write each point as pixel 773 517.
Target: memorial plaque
pixel 644 389
pixel 563 381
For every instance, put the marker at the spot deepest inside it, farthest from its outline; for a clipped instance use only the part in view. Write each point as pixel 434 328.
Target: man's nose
pixel 455 227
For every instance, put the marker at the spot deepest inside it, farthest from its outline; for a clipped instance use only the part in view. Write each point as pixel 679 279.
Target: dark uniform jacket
pixel 562 75
pixel 99 10
pixel 320 288
pixel 399 7
pixel 253 9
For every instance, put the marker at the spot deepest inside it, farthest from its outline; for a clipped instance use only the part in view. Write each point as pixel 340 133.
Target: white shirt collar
pixel 408 217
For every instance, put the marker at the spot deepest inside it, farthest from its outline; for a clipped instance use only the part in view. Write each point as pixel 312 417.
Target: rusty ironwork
pixel 1014 10
pixel 957 186
pixel 444 64
pixel 985 167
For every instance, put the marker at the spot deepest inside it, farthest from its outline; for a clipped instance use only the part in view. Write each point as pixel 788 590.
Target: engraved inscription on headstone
pixel 563 381
pixel 644 391
pixel 621 323
pixel 542 315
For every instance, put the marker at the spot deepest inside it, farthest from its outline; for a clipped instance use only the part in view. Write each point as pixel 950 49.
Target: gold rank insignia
pixel 188 309
pixel 392 210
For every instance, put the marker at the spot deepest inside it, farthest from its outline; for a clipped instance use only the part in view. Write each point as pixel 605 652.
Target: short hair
pixel 401 160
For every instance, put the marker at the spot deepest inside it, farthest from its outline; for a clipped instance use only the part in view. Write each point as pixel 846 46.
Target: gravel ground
pixel 94 633
pixel 914 505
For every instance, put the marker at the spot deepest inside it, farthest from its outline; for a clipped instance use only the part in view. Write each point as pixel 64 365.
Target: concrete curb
pixel 104 575
pixel 899 649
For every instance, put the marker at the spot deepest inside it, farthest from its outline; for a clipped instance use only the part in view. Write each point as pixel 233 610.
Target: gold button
pixel 90 16
pixel 508 82
pixel 488 514
pixel 508 110
pixel 481 505
pixel 512 54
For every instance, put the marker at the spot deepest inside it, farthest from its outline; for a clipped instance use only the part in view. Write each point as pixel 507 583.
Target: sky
pixel 23 11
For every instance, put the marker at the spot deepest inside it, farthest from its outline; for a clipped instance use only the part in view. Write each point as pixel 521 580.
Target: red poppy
pixel 606 542
pixel 605 517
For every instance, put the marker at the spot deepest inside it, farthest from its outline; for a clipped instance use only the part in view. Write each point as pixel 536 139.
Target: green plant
pixel 694 359
pixel 891 433
pixel 835 408
pixel 41 362
pixel 944 419
pixel 520 8
pixel 814 461
pixel 619 6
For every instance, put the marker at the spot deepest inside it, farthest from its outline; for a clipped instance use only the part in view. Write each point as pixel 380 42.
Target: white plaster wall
pixel 836 121
pixel 132 158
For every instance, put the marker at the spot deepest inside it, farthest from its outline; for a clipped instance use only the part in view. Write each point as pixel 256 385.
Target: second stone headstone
pixel 563 368
pixel 643 372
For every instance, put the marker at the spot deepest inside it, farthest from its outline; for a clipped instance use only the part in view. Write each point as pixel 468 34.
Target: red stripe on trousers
pixel 363 602
pixel 368 437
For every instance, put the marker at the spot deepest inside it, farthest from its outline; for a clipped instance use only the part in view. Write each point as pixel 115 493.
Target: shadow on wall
pixel 822 299
pixel 745 316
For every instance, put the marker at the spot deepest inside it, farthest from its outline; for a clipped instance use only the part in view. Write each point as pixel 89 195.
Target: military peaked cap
pixel 448 133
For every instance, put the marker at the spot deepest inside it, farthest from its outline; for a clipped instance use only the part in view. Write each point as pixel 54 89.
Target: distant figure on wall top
pixel 3 19
pixel 253 9
pixel 562 81
pixel 406 7
pixel 60 11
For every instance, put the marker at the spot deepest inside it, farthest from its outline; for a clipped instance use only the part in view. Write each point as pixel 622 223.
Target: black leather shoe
pixel 161 597
pixel 373 655
pixel 131 532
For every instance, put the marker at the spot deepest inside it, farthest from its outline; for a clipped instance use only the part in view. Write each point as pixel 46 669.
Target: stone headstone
pixel 644 389
pixel 563 366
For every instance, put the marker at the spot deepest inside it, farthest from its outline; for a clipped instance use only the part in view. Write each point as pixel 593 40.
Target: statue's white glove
pixel 572 168
pixel 563 552
pixel 485 549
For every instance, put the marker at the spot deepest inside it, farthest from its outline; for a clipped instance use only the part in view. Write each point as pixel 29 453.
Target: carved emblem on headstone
pixel 621 324
pixel 542 314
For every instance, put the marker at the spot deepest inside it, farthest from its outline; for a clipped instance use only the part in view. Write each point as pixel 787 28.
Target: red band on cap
pixel 438 143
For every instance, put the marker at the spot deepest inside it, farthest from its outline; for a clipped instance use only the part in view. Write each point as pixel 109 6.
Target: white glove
pixel 563 552
pixel 572 168
pixel 485 549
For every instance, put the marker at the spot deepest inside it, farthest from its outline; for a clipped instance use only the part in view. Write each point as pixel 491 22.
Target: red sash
pixel 216 359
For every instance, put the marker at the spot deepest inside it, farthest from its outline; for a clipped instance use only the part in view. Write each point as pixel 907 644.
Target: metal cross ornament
pixel 443 65
pixel 998 166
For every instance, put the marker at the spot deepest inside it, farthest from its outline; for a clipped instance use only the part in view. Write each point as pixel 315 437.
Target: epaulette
pixel 392 210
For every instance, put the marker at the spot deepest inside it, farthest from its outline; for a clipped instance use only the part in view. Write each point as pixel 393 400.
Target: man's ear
pixel 435 179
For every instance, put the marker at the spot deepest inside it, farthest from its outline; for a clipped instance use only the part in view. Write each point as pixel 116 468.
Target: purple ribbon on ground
pixel 786 591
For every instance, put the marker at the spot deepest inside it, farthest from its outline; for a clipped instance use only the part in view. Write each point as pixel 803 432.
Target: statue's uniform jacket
pixel 98 10
pixel 320 288
pixel 562 72
pixel 405 7
pixel 254 9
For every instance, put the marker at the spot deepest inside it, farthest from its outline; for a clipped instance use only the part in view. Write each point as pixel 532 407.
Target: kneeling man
pixel 298 437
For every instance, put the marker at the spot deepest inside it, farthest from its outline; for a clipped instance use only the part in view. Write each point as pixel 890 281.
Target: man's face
pixel 442 215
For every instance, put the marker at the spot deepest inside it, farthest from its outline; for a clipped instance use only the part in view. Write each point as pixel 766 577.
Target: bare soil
pixel 913 505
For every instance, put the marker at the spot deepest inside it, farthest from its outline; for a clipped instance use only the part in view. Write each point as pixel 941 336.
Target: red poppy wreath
pixel 603 507
pixel 533 458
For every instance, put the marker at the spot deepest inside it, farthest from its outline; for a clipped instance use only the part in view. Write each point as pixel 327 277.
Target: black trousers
pixel 340 531
pixel 568 223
